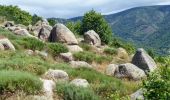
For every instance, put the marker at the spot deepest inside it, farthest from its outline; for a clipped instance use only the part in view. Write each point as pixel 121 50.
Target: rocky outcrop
pixel 60 33
pixel 74 48
pixel 129 71
pixel 79 64
pixel 80 82
pixel 41 29
pixel 122 53
pixel 66 56
pixel 9 23
pixel 144 61
pixel 138 95
pixel 91 37
pixel 110 70
pixel 22 32
pixel 6 44
pixel 56 75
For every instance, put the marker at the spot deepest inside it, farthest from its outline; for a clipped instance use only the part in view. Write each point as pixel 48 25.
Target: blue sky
pixel 72 8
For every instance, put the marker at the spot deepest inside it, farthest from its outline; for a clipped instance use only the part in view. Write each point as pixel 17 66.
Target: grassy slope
pixel 104 86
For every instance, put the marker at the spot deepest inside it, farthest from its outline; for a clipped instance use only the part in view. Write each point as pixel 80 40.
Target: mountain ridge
pixel 146 26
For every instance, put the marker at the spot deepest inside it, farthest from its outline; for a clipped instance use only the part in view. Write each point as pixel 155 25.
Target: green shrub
pixel 11 81
pixel 85 46
pixel 32 43
pixel 23 62
pixel 95 21
pixel 57 48
pixel 110 51
pixel 70 92
pixel 90 57
pixel 84 56
pixel 157 85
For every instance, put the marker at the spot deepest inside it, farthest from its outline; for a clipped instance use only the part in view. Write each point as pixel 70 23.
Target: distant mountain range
pixel 147 26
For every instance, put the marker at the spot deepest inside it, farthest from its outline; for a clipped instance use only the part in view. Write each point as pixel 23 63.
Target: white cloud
pixel 71 8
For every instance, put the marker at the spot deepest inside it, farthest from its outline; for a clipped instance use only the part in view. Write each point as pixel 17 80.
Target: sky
pixel 74 8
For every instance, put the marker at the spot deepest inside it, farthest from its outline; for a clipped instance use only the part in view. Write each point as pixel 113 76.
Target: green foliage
pixel 85 46
pixel 52 22
pixel 71 92
pixel 75 27
pixel 32 43
pixel 10 81
pixel 95 21
pixel 16 14
pixel 116 43
pixel 57 48
pixel 110 51
pixel 35 19
pixel 157 85
pixel 90 57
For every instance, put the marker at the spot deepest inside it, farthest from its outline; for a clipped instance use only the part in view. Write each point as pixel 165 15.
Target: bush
pixel 90 57
pixel 85 46
pixel 95 21
pixel 110 51
pixel 11 81
pixel 70 92
pixel 57 48
pixel 75 27
pixel 157 85
pixel 15 14
pixel 32 43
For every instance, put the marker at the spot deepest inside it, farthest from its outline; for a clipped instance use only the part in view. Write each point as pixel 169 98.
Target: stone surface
pixel 129 71
pixel 91 37
pixel 80 82
pixel 48 87
pixel 66 56
pixel 122 53
pixel 9 23
pixel 56 75
pixel 22 32
pixel 144 61
pixel 6 44
pixel 44 32
pixel 60 33
pixel 79 64
pixel 110 70
pixel 138 95
pixel 29 52
pixel 74 48
pixel 41 53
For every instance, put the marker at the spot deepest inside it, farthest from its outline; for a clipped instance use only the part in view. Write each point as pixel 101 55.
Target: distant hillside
pixel 147 27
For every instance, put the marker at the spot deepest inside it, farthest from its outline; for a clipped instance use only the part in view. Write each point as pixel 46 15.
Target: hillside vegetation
pixel 41 62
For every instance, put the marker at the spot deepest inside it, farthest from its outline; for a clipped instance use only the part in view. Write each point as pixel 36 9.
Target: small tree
pixel 95 21
pixel 75 27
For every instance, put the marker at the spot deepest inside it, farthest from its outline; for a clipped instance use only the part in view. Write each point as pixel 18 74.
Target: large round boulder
pixel 56 75
pixel 6 44
pixel 110 70
pixel 60 33
pixel 129 71
pixel 80 82
pixel 144 61
pixel 23 32
pixel 91 37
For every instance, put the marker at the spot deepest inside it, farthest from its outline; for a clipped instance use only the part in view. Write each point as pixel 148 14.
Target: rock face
pixel 48 86
pixel 66 56
pixel 129 71
pixel 22 32
pixel 122 53
pixel 9 23
pixel 74 48
pixel 57 75
pixel 138 95
pixel 110 70
pixel 79 64
pixel 80 82
pixel 41 29
pixel 6 44
pixel 91 37
pixel 60 33
pixel 144 61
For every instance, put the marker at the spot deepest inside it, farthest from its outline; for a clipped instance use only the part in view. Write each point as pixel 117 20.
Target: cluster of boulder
pixel 141 64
